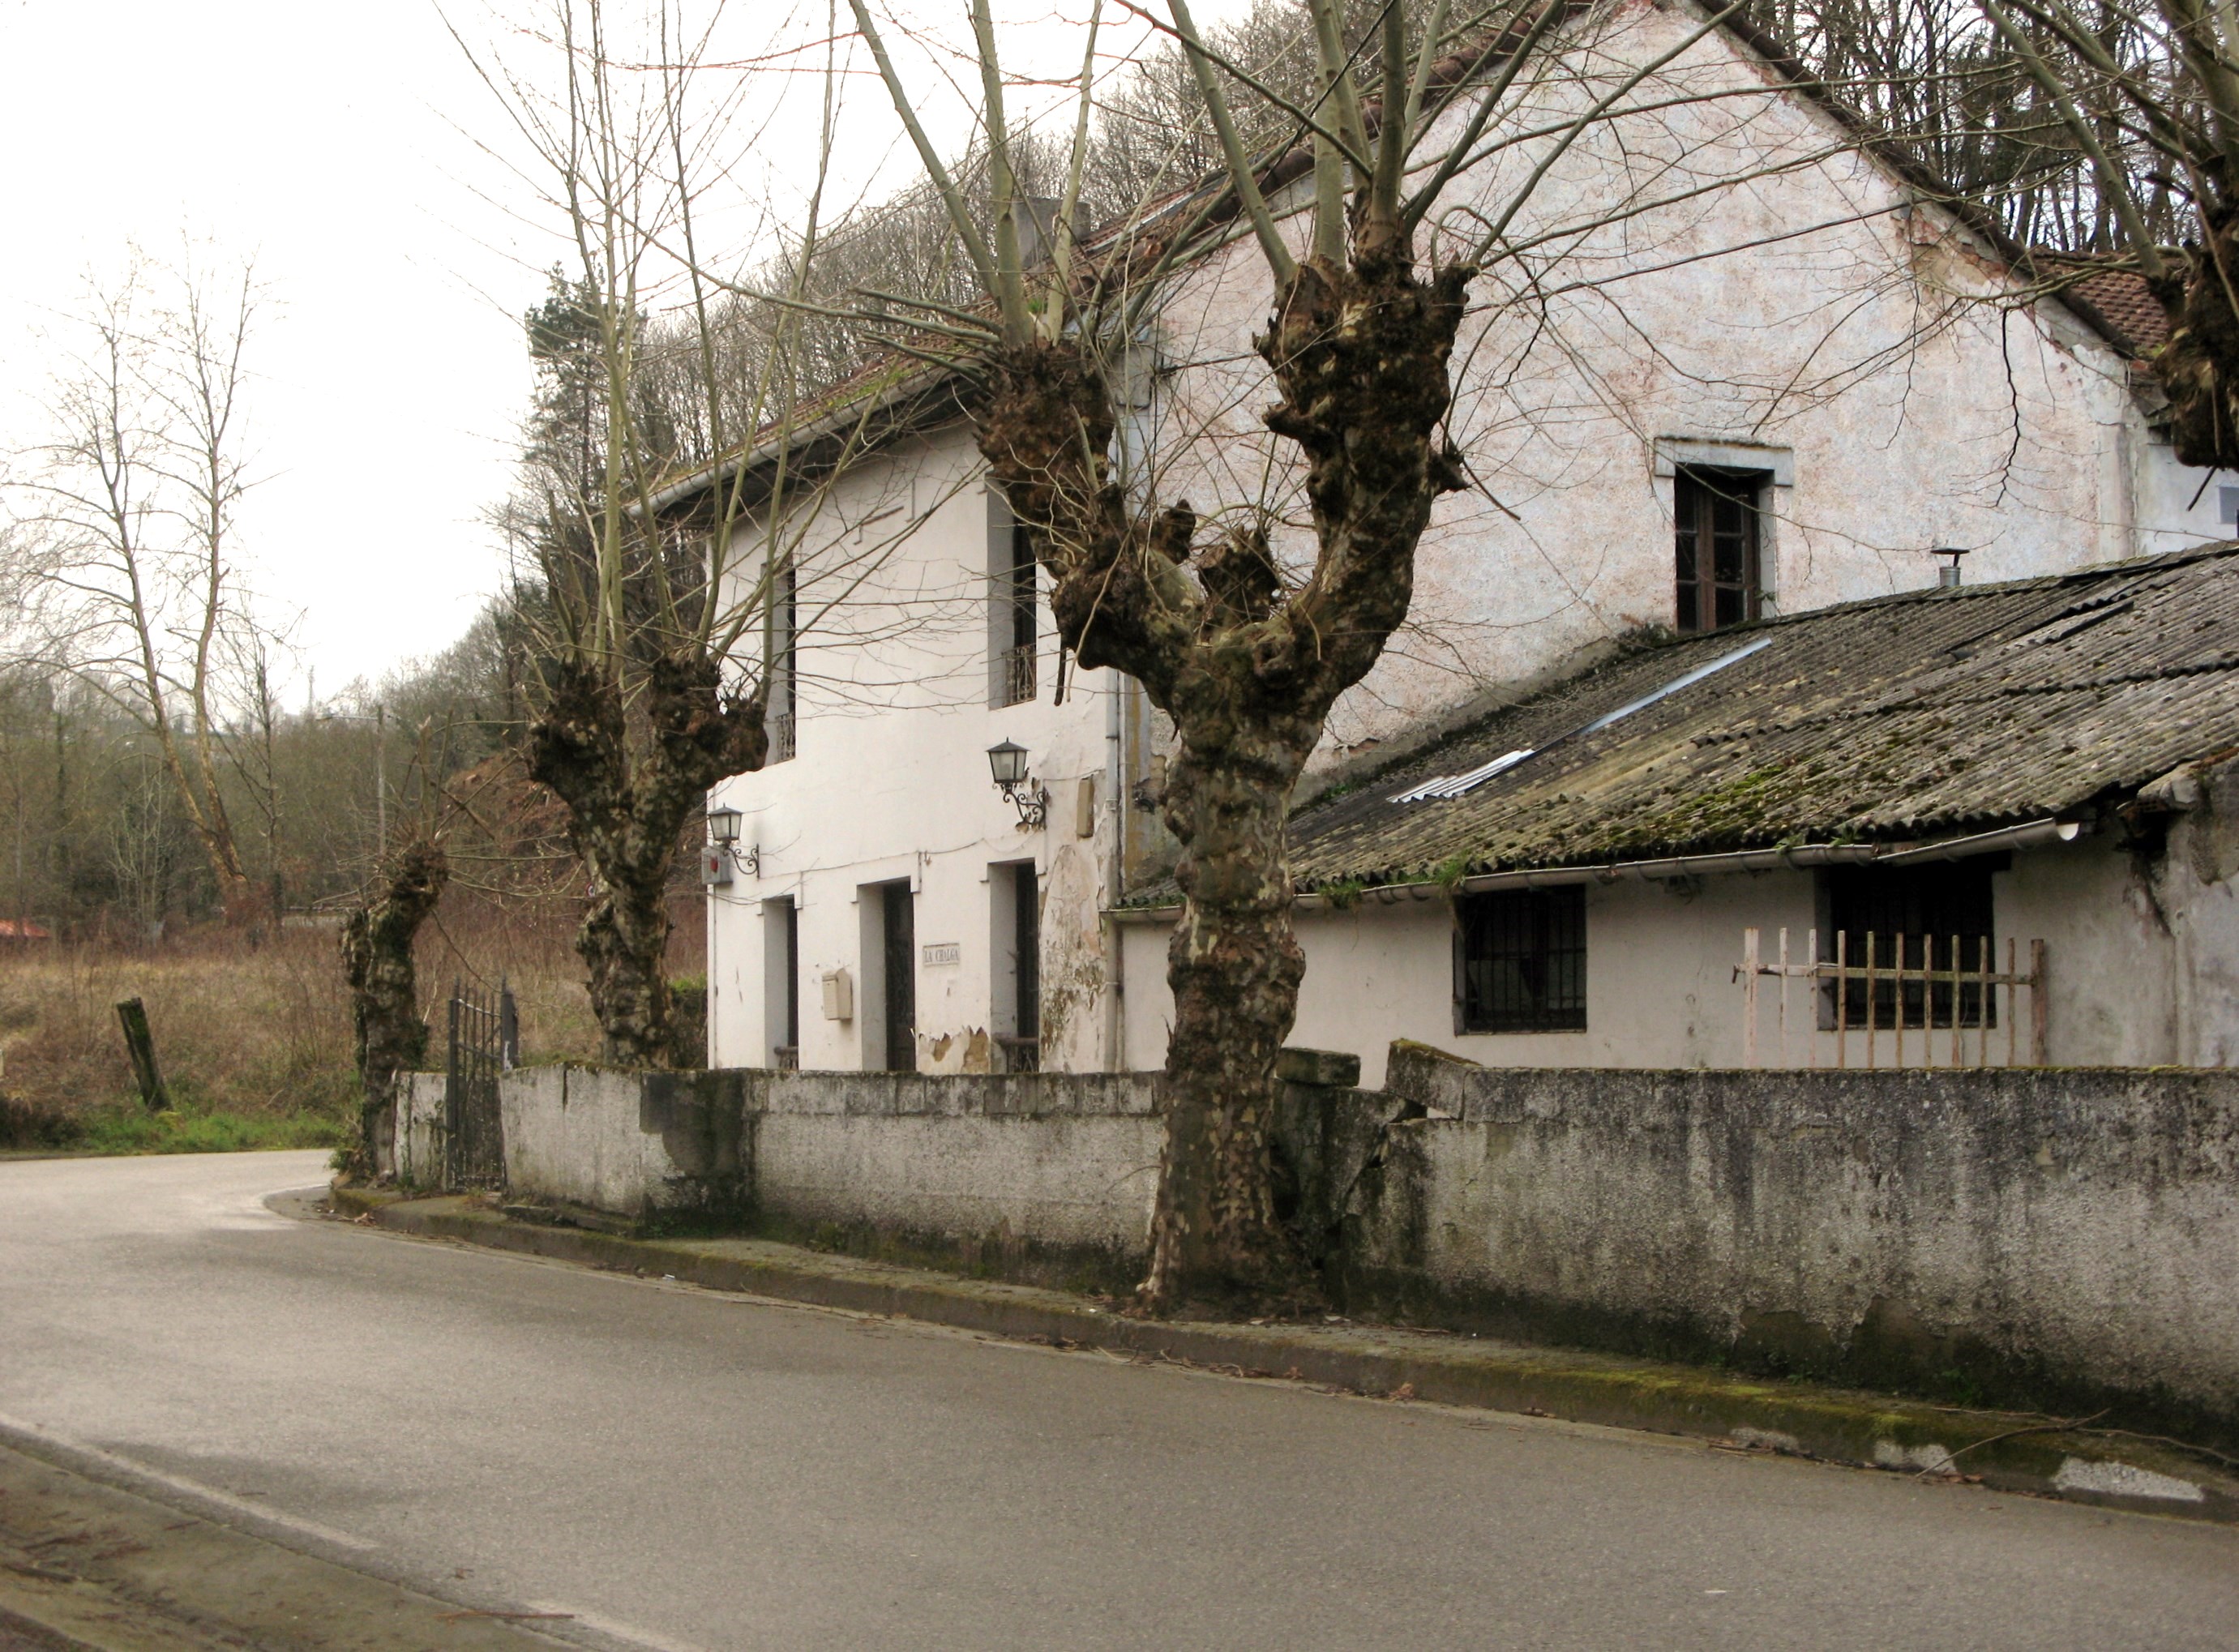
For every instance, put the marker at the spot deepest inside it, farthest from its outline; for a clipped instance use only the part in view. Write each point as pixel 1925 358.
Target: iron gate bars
pixel 474 1128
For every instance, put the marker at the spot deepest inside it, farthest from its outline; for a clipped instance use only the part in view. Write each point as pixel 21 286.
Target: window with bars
pixel 1717 538
pixel 1520 961
pixel 1015 628
pixel 1909 923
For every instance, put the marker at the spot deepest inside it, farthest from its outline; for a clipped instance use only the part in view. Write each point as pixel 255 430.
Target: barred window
pixel 1520 961
pixel 1912 922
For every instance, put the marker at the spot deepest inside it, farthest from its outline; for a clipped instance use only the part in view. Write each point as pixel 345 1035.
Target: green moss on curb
pixel 2008 1450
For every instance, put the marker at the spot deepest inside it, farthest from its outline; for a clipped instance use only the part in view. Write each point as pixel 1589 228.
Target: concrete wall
pixel 2141 942
pixel 1065 1161
pixel 2046 1238
pixel 2045 1234
pixel 420 1139
pixel 626 1142
pixel 1062 1164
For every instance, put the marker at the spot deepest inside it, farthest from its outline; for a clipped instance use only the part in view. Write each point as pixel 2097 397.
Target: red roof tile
pixel 2120 295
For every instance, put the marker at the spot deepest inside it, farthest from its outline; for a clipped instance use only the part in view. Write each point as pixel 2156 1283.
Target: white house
pixel 1721 406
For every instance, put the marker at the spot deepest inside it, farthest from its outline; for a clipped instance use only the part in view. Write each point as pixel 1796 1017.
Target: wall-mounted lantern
pixel 1007 762
pixel 721 852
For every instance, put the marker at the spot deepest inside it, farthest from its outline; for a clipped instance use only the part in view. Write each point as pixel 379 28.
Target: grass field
pixel 254 1040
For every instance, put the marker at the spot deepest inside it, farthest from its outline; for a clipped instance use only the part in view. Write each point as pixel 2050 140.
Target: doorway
pixel 1015 958
pixel 899 927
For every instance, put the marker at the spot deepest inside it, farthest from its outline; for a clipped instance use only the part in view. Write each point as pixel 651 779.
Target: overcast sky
pixel 339 147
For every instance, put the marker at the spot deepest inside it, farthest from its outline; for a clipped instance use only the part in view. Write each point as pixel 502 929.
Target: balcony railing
pixel 1015 675
pixel 781 728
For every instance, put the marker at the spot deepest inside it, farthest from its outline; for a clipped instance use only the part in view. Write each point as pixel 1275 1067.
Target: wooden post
pixel 1958 1058
pixel 1842 997
pixel 1783 996
pixel 140 1045
pixel 1898 1060
pixel 2037 1004
pixel 1811 1003
pixel 2013 1003
pixel 1870 984
pixel 1986 1010
pixel 1749 997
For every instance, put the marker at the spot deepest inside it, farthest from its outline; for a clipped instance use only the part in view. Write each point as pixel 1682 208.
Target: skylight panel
pixel 1454 785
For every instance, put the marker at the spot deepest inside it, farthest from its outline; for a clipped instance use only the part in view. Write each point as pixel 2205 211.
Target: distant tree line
pixel 95 840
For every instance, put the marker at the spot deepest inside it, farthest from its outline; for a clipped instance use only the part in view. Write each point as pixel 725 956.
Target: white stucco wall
pixel 1815 315
pixel 2143 961
pixel 891 782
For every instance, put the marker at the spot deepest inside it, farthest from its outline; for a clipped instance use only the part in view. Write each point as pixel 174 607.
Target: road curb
pixel 89 1564
pixel 2009 1451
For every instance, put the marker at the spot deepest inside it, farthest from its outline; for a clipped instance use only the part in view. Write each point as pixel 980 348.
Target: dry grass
pixel 253 1041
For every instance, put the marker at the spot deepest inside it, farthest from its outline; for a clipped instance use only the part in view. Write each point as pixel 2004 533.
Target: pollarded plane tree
pixel 636 604
pixel 1243 636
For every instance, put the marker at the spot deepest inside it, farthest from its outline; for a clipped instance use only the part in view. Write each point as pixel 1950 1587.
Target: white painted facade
pixel 1840 342
pixel 2142 966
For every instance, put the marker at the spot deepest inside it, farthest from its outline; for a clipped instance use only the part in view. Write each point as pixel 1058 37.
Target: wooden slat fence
pixel 1900 1005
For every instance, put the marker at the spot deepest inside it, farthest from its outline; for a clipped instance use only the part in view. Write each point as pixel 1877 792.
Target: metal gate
pixel 474 1128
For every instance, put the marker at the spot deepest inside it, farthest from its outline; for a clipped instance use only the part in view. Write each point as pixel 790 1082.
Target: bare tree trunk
pixel 388 1034
pixel 627 811
pixel 1235 967
pixel 1248 673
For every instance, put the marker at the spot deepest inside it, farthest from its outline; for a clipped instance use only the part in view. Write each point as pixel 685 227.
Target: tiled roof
pixel 2122 300
pixel 1892 719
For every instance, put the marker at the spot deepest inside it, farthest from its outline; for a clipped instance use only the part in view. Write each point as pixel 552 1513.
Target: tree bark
pixel 628 801
pixel 1248 670
pixel 389 1033
pixel 2198 368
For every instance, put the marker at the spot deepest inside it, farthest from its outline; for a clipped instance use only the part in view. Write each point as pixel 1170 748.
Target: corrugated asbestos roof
pixel 1895 718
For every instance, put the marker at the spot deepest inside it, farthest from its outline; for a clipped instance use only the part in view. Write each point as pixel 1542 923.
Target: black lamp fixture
pixel 723 842
pixel 1007 762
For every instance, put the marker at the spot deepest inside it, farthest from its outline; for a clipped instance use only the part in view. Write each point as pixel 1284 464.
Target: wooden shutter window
pixel 1715 545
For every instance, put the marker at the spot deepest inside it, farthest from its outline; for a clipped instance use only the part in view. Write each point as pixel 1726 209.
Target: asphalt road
pixel 682 1470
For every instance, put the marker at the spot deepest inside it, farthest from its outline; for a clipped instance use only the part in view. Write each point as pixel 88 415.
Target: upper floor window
pixel 1013 629
pixel 1717 537
pixel 1520 961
